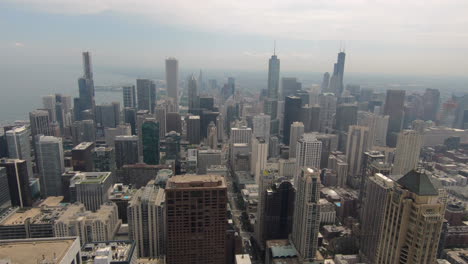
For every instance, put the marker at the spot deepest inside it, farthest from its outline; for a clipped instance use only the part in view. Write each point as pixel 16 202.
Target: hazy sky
pixel 381 36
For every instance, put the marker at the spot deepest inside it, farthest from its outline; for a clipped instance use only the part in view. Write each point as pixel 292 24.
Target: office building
pixel 111 132
pixel 346 115
pixel 41 250
pixel 273 147
pixel 356 145
pixel 172 79
pixel 18 182
pixel 40 123
pixel 241 134
pixel 129 116
pixel 409 146
pixel 261 126
pixel 172 145
pixel 138 175
pixel 412 222
pixel 5 197
pixel 327 103
pixel 129 96
pixel 19 146
pixel 310 117
pixel 292 109
pixel 278 210
pixel 207 158
pixel 325 82
pixel 91 188
pixel 146 94
pixel 198 239
pixel 82 157
pixel 377 190
pixel 297 130
pixel 48 102
pixel 126 150
pixel 258 157
pixel 83 131
pixel 306 219
pixel 146 221
pixel 336 81
pixel 173 122
pixel 193 130
pixel 378 126
pixel 271 104
pixel 264 181
pixel 51 165
pixel 308 152
pixel 289 86
pixel 108 115
pixel 431 104
pixel 101 225
pixel 150 141
pixel 160 115
pixel 193 100
pixel 85 104
pixel 394 108
pixel 329 145
pixel 104 159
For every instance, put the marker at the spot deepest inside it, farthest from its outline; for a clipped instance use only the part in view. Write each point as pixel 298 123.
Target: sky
pixel 422 37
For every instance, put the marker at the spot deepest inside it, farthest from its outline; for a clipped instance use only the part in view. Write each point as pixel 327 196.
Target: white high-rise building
pixel 241 134
pixel 378 126
pixel 356 145
pixel 308 153
pixel 51 164
pixel 172 79
pixel 258 158
pixel 297 130
pixel 261 126
pixel 19 146
pixel 48 102
pixel 407 152
pixel 306 220
pixel 146 221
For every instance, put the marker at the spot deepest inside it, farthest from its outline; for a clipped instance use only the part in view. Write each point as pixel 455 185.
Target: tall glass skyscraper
pixel 150 141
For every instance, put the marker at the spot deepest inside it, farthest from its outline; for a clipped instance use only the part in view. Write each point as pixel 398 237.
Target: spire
pixel 274 47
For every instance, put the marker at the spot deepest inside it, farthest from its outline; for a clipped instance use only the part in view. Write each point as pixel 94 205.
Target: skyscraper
pixel 129 96
pixel 308 151
pixel 193 129
pixel 412 222
pixel 146 221
pixel 394 103
pixel 306 220
pixel 5 198
pixel 160 115
pixel 199 239
pixel 327 103
pixel 172 79
pixel 92 188
pixel 409 146
pixel 310 117
pixel 193 102
pixel 19 146
pixel 40 123
pixel 146 94
pixel 108 115
pixel 378 126
pixel 431 103
pixel 271 104
pixel 261 126
pixel 292 109
pixel 259 157
pixel 82 157
pixel 325 82
pixel 297 130
pixel 126 150
pixel 289 86
pixel 346 115
pixel 356 145
pixel 377 190
pixel 48 102
pixel 85 101
pixel 150 141
pixel 278 210
pixel 336 82
pixel 18 182
pixel 51 165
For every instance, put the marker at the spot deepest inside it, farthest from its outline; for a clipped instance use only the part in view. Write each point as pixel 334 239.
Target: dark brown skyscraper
pixel 196 219
pixel 82 157
pixel 394 103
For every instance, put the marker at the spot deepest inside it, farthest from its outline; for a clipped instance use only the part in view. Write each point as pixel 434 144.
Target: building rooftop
pixel 196 181
pixel 418 182
pixel 90 177
pixel 83 145
pixel 33 251
pixel 47 212
pixel 113 251
pixel 243 259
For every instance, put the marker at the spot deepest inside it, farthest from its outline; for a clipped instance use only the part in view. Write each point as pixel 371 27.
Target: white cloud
pixel 428 21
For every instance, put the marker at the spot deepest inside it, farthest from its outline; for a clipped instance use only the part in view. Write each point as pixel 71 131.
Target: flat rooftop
pixel 83 145
pixel 121 250
pixel 91 177
pixel 47 211
pixel 196 181
pixel 32 251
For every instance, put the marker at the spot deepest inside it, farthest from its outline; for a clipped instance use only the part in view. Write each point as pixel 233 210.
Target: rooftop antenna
pixel 274 47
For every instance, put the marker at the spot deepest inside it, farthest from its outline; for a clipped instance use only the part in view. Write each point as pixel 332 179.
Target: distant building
pixel 126 150
pixel 297 130
pixel 408 149
pixel 172 79
pixel 129 96
pixel 150 141
pixel 193 129
pixel 146 94
pixel 50 164
pixel 82 157
pixel 394 108
pixel 92 188
pixel 104 159
pixel 207 158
